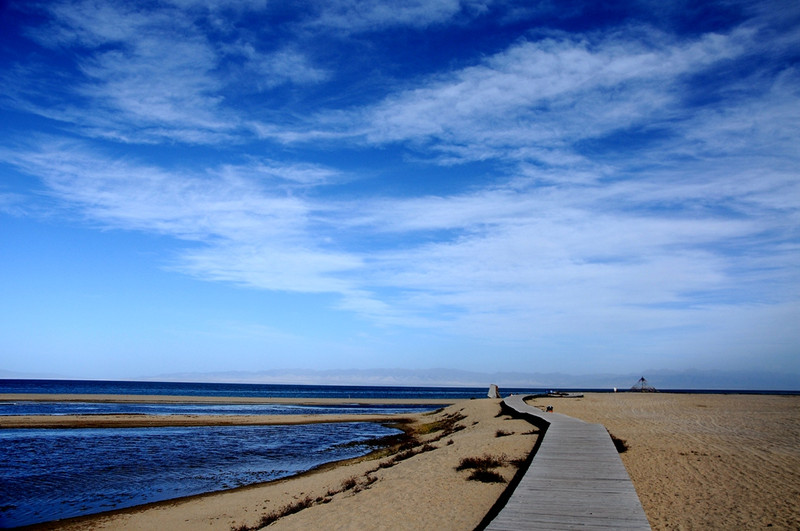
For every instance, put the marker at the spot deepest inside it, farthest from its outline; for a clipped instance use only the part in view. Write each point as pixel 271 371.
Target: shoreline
pixel 415 484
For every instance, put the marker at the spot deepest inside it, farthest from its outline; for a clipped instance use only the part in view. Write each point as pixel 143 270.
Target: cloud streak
pixel 537 99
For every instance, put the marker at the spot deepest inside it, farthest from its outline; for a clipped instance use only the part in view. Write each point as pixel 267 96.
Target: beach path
pixel 576 480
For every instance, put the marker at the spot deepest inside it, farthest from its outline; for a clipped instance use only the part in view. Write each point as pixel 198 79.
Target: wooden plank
pixel 576 480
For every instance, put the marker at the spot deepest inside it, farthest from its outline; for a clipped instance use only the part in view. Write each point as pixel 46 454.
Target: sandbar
pixel 139 421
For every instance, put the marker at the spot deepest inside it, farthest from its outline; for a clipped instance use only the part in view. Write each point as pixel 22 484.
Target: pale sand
pixel 424 491
pixel 705 461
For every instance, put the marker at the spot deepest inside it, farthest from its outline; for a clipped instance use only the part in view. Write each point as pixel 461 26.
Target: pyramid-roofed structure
pixel 643 386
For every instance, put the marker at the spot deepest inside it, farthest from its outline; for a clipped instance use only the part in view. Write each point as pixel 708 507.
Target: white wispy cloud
pixel 287 65
pixel 155 75
pixel 372 15
pixel 548 94
pixel 531 252
pixel 11 203
pixel 148 74
pixel 251 227
pixel 700 223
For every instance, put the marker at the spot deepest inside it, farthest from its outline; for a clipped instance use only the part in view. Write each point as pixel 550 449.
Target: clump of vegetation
pixel 406 454
pixel 273 516
pixel 482 468
pixel 484 462
pixel 620 444
pixel 518 463
pixel 349 483
pixel 286 510
pixel 447 425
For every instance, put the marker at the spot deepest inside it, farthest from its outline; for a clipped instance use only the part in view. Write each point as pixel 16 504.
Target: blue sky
pixel 490 186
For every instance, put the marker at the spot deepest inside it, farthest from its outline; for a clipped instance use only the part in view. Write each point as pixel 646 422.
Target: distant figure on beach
pixel 494 392
pixel 549 409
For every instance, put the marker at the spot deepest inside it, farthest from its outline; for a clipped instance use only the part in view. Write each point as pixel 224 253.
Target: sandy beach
pixel 697 462
pixel 702 461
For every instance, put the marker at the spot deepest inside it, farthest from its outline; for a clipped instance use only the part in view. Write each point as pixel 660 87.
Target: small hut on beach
pixel 643 386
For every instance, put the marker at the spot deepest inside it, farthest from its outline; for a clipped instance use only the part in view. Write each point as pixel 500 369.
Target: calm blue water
pixel 92 408
pixel 241 390
pixel 59 473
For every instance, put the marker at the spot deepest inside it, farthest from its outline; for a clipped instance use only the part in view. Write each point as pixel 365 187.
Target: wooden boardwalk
pixel 576 480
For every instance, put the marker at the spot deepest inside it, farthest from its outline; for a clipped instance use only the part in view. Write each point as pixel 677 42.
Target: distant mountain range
pixel 458 378
pixel 660 379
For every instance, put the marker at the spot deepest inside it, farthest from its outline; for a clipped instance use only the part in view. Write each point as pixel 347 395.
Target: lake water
pixel 239 390
pixel 59 473
pixel 104 408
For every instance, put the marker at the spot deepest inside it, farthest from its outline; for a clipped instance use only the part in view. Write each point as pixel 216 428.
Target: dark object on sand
pixel 563 394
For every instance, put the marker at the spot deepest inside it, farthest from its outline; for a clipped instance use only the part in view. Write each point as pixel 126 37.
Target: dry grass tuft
pixel 349 483
pixel 273 516
pixel 484 462
pixel 482 468
pixel 448 425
